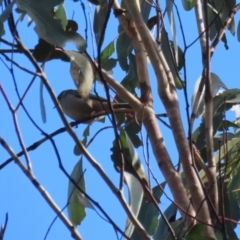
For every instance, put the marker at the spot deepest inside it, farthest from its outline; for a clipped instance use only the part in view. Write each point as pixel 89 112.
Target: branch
pixel 42 191
pixel 20 139
pixel 4 227
pixel 225 26
pixel 149 120
pixel 212 188
pixel 141 56
pixel 85 152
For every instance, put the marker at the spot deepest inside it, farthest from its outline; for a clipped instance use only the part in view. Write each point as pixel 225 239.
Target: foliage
pixel 207 187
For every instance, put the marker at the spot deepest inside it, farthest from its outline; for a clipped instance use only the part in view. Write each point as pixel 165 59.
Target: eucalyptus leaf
pixel 188 4
pixel 171 19
pixel 229 145
pixel 178 227
pixel 77 201
pixel 77 151
pixel 130 81
pixel 217 83
pixel 42 105
pixel 231 211
pixel 108 63
pixel 236 100
pixel 219 107
pixel 218 13
pixel 132 162
pixel 44 52
pixel 135 198
pixel 82 72
pixel 7 11
pixel 99 20
pixel 107 51
pixel 123 48
pixel 238 31
pixel 170 58
pixel 60 14
pixel 4 16
pixel 148 215
pixel 197 232
pixel 162 228
pixel 47 27
pixel 132 129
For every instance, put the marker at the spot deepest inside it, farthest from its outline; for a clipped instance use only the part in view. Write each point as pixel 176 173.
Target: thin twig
pixel 3 227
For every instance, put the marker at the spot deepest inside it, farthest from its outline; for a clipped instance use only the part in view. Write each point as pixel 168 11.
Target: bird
pixel 80 109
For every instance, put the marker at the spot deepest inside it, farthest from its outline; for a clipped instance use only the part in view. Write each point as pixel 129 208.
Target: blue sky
pixel 29 215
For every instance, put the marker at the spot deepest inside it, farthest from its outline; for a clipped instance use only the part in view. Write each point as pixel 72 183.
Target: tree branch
pixel 42 191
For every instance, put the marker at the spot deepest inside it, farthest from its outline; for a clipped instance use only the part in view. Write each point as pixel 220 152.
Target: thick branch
pixel 169 98
pixel 85 152
pixel 158 145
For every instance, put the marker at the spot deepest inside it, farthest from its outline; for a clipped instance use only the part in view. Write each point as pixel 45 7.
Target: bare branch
pixel 41 189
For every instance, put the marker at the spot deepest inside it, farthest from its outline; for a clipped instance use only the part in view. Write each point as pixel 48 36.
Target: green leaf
pixel 60 14
pixel 76 150
pixel 107 51
pixel 148 215
pixel 44 51
pixel 76 199
pixel 132 162
pixel 109 64
pixel 99 20
pixel 225 125
pixel 132 129
pixel 217 83
pixel 223 7
pixel 145 7
pixel 130 81
pixel 171 19
pixel 7 11
pixel 218 11
pixel 123 48
pixel 219 139
pixel 151 22
pixel 42 105
pixel 47 27
pixel 231 211
pixel 196 233
pixel 84 79
pixel 135 199
pixel 4 16
pixel 168 53
pixel 234 185
pixel 178 227
pixel 235 100
pixel 219 107
pixel 219 235
pixel 231 145
pixel 188 4
pixel 162 229
pixel 124 44
pixel 238 31
pixel 86 133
